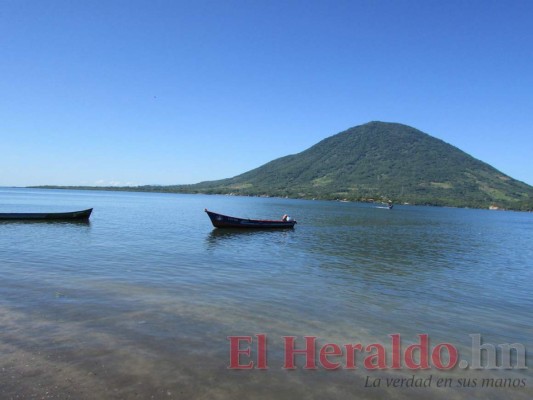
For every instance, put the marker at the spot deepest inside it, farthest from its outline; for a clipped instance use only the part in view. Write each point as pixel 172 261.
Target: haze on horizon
pixel 183 92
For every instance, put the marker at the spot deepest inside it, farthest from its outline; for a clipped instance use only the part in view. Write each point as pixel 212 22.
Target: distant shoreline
pixel 181 189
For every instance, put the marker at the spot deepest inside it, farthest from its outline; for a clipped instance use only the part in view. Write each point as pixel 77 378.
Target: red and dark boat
pixel 224 221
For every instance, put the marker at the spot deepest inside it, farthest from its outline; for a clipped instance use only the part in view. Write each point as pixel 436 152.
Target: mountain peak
pixel 381 160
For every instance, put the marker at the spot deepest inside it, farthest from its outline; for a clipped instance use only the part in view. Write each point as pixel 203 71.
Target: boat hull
pixel 82 215
pixel 224 221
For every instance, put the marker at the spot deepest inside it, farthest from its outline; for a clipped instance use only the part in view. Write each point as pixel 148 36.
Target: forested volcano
pixel 376 161
pixel 379 160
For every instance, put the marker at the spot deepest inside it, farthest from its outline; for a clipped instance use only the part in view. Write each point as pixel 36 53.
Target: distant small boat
pixel 65 216
pixel 224 221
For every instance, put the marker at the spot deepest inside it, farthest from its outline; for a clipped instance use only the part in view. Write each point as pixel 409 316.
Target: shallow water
pixel 139 302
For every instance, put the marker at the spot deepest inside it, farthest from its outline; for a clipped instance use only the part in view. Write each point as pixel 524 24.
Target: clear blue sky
pixel 167 92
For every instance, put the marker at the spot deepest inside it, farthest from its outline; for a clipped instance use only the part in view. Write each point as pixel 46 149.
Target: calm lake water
pixel 138 303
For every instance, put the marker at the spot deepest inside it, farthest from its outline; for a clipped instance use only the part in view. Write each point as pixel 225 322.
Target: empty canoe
pixel 64 216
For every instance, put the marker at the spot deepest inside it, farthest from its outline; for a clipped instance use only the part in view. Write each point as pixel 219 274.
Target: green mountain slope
pixel 381 161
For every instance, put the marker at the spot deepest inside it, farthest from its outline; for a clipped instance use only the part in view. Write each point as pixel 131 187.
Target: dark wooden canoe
pixel 66 216
pixel 223 221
